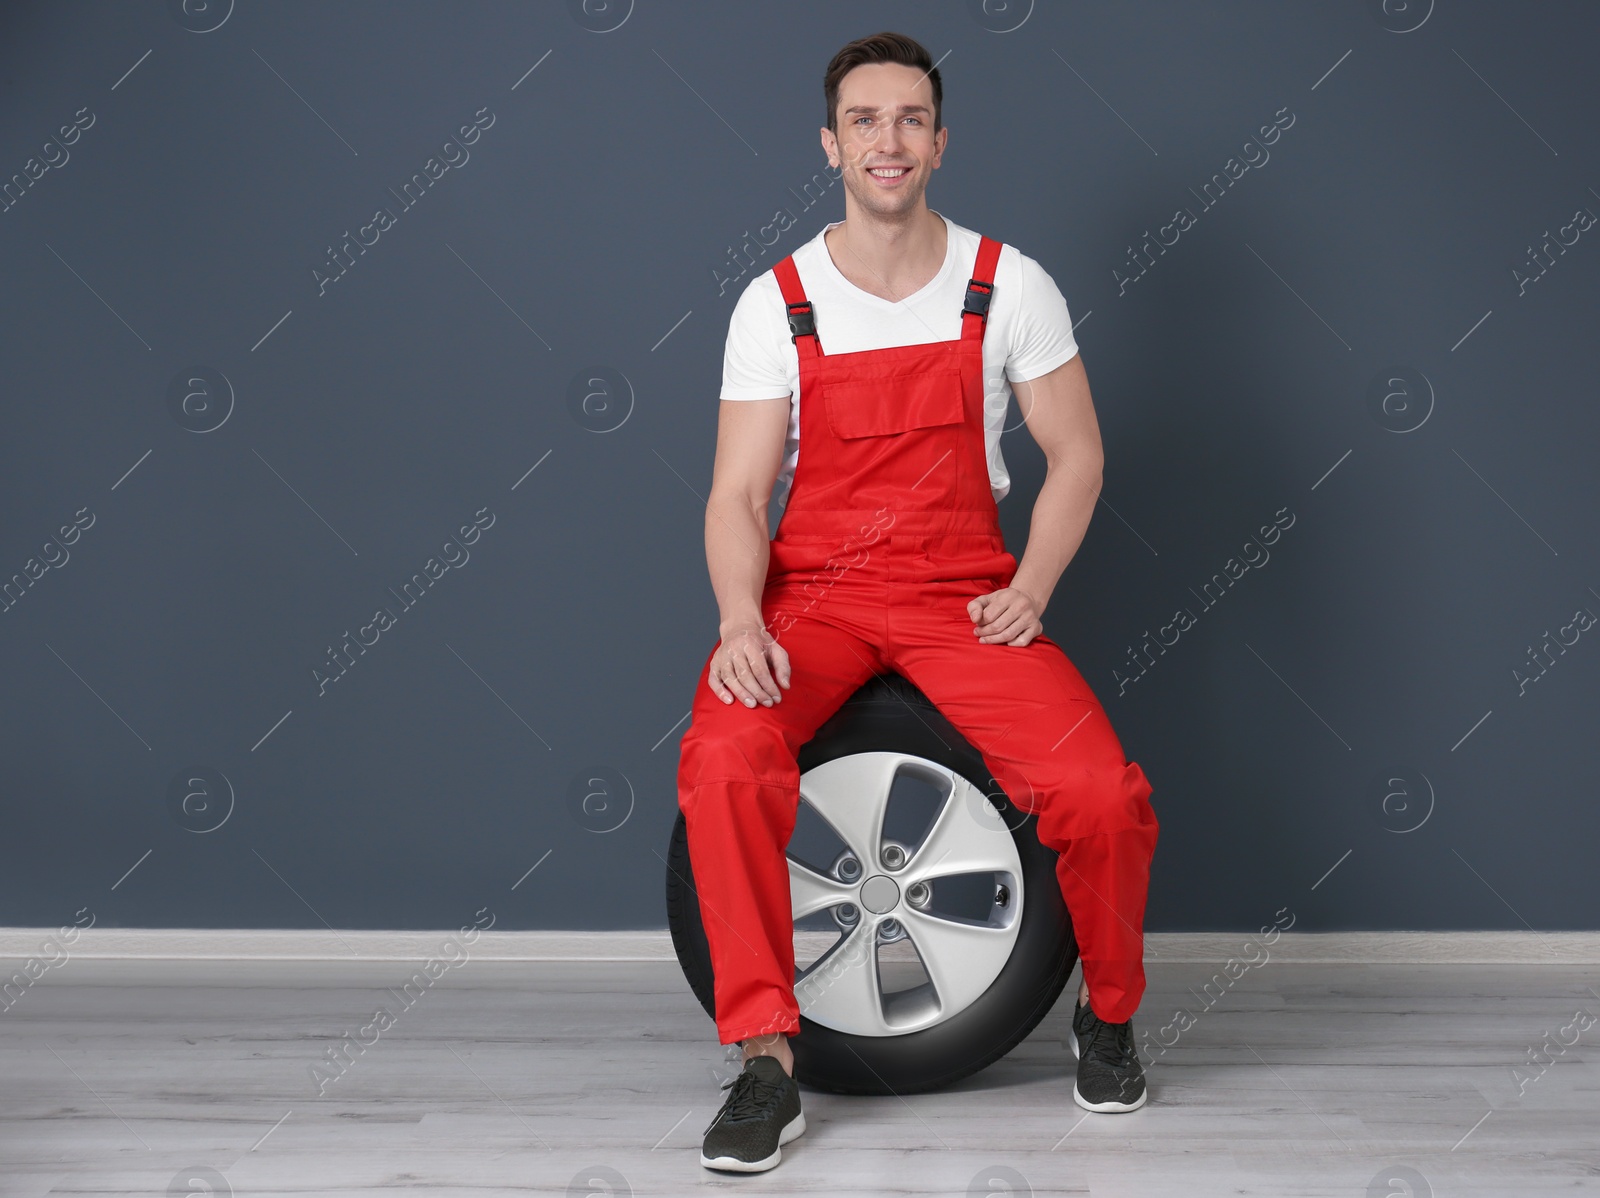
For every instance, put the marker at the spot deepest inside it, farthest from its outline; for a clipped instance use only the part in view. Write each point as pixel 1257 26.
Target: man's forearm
pixel 1060 519
pixel 736 556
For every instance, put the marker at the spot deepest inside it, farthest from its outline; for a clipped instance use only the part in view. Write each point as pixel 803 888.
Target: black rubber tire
pixel 889 714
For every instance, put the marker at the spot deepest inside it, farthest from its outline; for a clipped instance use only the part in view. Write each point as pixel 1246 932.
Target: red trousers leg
pixel 1104 879
pixel 739 788
pixel 1050 746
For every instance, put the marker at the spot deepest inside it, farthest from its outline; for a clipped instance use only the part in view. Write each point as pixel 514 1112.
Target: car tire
pixel 890 716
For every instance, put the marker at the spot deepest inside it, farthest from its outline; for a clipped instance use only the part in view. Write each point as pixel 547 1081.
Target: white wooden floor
pixel 596 1078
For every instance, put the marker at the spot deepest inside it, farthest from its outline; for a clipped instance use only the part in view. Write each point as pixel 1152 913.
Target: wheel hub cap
pixel 879 894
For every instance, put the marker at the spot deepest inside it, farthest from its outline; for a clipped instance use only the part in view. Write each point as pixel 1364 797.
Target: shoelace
pixel 1115 1049
pixel 749 1097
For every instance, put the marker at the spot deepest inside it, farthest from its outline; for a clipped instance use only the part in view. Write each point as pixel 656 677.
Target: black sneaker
pixel 761 1112
pixel 1110 1077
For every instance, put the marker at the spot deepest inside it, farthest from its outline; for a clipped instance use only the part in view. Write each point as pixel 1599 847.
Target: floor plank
pixel 518 1078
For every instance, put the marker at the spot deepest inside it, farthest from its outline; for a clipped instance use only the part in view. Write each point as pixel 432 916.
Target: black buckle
pixel 802 321
pixel 977 299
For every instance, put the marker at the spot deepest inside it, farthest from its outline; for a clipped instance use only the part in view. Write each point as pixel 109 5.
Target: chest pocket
pixel 896 404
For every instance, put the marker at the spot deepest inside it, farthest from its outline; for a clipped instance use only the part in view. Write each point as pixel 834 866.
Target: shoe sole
pixel 732 1164
pixel 1111 1107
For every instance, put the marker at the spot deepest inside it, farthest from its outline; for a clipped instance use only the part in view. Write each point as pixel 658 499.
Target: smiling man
pixel 866 376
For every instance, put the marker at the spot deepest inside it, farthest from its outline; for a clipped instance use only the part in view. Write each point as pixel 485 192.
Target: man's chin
pixel 887 204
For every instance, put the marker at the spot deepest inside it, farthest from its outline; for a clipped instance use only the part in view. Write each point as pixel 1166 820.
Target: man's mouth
pixel 887 172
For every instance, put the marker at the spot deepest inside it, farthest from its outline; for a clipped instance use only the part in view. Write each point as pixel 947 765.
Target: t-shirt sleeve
pixel 1041 329
pixel 753 366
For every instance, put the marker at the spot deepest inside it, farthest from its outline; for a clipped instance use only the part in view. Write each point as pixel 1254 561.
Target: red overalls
pixel 889 531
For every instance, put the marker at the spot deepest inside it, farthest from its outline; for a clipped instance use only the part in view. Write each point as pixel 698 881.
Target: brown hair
pixel 880 47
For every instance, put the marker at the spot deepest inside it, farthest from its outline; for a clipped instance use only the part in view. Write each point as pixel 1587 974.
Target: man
pixel 879 402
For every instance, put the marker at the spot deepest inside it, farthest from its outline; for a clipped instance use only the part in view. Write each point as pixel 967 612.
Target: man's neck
pixel 890 257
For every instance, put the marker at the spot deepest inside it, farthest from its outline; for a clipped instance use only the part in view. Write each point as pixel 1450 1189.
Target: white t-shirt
pixel 1028 334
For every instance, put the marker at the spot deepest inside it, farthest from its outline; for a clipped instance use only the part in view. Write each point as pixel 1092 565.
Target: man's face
pixel 885 143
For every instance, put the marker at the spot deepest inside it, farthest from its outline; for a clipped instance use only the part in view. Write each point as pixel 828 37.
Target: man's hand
pixel 749 665
pixel 1005 617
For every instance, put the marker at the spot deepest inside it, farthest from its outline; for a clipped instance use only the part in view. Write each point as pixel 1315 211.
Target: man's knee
pixel 1090 798
pixel 743 748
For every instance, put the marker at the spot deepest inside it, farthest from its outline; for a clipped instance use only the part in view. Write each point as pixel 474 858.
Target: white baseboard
pixel 269 944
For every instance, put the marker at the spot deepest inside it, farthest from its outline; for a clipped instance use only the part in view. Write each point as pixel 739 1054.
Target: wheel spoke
pixel 852 794
pixel 810 892
pixel 961 959
pixel 841 991
pixel 968 837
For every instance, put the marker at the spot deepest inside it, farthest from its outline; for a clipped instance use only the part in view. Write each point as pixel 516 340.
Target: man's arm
pixel 749 664
pixel 1060 414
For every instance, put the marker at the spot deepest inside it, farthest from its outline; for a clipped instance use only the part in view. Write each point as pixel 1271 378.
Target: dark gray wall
pixel 1241 377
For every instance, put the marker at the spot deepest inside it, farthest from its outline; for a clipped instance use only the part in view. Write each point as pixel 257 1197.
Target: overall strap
pixel 802 321
pixel 975 307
